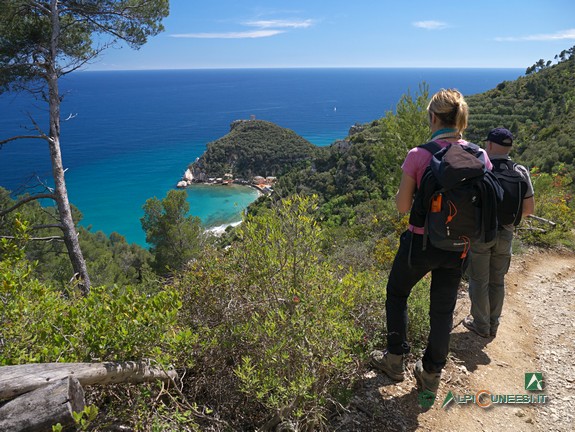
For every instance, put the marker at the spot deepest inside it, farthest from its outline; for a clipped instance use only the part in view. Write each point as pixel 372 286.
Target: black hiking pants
pixel 446 269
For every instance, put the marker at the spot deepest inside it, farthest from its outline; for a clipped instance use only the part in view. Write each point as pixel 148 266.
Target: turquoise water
pixel 113 204
pixel 219 205
pixel 129 135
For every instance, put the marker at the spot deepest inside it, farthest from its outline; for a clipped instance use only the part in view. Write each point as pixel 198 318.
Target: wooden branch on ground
pixel 532 229
pixel 38 410
pixel 540 219
pixel 20 379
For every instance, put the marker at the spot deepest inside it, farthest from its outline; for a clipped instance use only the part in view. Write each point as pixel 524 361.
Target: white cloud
pixel 280 23
pixel 430 25
pixel 560 35
pixel 230 35
pixel 267 28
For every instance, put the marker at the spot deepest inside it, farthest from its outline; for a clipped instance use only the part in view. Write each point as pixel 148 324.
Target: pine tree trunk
pixel 63 205
pixel 66 220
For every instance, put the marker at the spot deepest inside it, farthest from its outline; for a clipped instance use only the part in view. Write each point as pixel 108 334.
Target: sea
pixel 127 136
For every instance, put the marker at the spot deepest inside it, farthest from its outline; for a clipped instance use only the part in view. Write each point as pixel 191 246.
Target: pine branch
pixel 46 239
pixel 27 200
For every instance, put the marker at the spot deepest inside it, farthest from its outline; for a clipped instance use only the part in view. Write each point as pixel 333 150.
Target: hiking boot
pixel 426 381
pixel 389 364
pixel 469 324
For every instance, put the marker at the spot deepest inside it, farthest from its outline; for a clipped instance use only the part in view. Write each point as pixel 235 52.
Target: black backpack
pixel 457 199
pixel 514 187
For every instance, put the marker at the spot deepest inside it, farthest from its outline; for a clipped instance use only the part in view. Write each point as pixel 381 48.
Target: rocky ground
pixel 537 334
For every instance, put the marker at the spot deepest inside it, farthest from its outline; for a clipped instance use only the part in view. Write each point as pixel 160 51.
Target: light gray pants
pixel 488 265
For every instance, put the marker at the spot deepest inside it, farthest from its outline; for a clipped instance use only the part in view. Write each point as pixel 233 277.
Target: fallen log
pixel 38 410
pixel 20 379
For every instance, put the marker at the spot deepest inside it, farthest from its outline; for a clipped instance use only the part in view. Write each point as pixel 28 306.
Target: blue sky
pixel 347 33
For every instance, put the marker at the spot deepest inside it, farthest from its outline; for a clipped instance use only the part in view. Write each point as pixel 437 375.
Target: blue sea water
pixel 129 135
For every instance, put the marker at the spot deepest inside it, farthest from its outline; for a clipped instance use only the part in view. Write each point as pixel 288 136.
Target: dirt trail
pixel 537 334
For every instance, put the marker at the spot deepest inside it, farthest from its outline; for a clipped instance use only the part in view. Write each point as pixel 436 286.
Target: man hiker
pixel 489 262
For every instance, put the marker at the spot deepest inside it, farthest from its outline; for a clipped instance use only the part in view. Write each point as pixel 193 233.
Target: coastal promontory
pixel 252 148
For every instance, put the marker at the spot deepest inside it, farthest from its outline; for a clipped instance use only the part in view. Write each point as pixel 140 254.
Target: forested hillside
pixel 540 111
pixel 253 148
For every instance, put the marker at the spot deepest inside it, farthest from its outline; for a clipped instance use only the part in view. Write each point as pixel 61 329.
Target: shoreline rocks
pixel 187 179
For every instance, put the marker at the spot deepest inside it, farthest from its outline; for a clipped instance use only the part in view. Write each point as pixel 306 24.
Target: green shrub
pixel 39 323
pixel 146 407
pixel 418 314
pixel 280 330
pixel 553 202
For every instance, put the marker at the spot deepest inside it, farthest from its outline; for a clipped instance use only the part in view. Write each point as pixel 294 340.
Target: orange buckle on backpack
pixel 436 203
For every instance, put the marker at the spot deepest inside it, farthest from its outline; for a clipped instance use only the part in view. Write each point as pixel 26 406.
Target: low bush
pixel 40 323
pixel 555 209
pixel 283 334
pixel 279 329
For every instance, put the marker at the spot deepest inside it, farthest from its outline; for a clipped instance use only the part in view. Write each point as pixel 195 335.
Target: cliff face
pixel 253 148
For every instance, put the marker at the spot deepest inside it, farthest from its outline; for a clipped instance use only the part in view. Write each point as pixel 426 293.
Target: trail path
pixel 537 334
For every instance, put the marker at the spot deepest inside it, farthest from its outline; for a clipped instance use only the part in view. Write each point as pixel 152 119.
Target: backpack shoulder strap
pixel 432 147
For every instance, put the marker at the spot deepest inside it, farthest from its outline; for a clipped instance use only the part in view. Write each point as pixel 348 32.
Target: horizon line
pixel 294 67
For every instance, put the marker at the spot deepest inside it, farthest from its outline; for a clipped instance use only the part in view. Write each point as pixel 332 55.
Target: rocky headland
pixel 254 152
